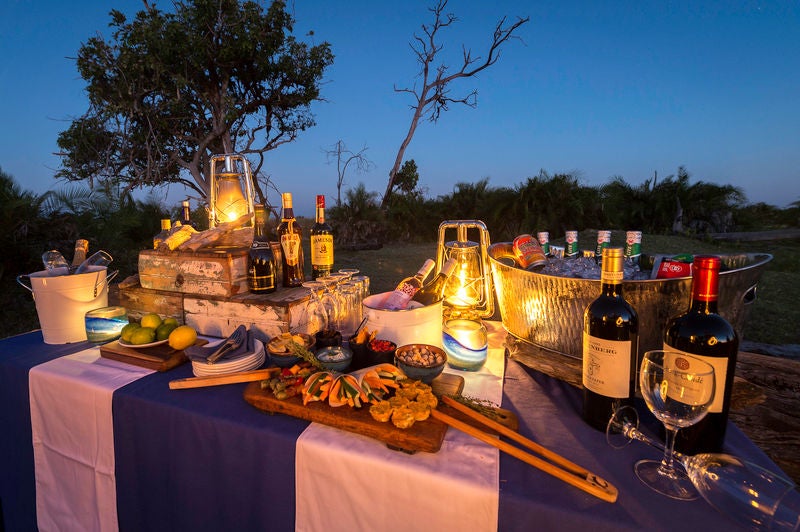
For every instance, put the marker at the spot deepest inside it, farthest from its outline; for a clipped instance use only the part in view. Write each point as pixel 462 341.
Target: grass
pixel 773 319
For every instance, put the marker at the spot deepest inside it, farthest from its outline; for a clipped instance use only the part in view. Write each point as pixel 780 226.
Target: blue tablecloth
pixel 203 459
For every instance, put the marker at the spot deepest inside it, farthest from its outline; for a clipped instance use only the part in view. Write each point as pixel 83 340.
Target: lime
pixel 163 330
pixel 127 331
pixel 182 337
pixel 143 335
pixel 151 320
pixel 171 321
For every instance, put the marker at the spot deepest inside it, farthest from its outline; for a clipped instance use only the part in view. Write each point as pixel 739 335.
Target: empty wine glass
pixel 55 263
pixel 99 258
pixel 678 390
pixel 743 491
pixel 317 314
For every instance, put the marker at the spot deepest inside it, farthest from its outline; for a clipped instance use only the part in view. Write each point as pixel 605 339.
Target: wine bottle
pixel 261 267
pixel 399 298
pixel 321 243
pixel 291 235
pixel 610 346
pixel 163 234
pixel 186 218
pixel 433 291
pixel 703 333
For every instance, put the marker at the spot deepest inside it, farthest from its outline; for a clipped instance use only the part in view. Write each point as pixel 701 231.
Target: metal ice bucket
pixel 547 311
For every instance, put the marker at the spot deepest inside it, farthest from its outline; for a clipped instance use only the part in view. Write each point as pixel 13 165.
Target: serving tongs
pixel 555 464
pixel 232 342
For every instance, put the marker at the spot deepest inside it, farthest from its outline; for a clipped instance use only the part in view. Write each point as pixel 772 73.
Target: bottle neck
pixel 705 289
pixel 288 213
pixel 260 226
pixel 320 215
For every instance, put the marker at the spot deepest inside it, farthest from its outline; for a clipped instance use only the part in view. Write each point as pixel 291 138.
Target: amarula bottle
pixel 610 345
pixel 433 291
pixel 703 333
pixel 261 267
pixel 166 224
pixel 321 243
pixel 399 298
pixel 291 236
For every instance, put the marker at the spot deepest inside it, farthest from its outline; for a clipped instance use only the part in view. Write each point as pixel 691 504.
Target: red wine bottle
pixel 703 333
pixel 610 346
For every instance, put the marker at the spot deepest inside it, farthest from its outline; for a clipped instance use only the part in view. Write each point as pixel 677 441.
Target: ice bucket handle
pixel 749 296
pixel 107 280
pixel 28 287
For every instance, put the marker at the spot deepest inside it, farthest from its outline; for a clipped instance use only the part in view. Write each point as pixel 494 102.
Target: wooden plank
pixel 229 378
pixel 159 358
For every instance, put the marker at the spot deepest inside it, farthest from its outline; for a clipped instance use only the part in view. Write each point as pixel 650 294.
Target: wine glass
pixel 315 309
pixel 741 490
pixel 678 390
pixel 99 258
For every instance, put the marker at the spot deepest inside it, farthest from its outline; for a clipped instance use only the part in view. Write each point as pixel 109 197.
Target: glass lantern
pixel 231 190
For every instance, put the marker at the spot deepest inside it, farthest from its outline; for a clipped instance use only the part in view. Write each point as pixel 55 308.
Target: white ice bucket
pixel 409 326
pixel 62 301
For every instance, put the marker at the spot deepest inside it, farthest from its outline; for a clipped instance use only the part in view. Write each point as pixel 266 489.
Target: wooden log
pixel 765 401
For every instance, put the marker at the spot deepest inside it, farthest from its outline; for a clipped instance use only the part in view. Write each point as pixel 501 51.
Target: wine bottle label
pixel 322 250
pixel 607 366
pixel 290 244
pixel 260 244
pixel 720 374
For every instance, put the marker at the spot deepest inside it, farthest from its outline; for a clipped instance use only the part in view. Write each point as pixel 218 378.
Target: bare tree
pixel 433 98
pixel 344 157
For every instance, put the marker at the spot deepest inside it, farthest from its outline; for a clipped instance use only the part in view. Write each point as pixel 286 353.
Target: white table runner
pixel 454 489
pixel 73 438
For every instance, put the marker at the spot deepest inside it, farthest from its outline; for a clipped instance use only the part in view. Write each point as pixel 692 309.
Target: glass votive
pixel 105 324
pixel 364 280
pixel 466 343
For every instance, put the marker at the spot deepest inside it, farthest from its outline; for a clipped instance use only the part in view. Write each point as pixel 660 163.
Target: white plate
pixel 142 346
pixel 243 363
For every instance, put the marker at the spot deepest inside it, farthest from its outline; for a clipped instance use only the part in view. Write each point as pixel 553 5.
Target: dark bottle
pixel 433 292
pixel 703 333
pixel 610 345
pixel 321 243
pixel 290 235
pixel 186 218
pixel 261 267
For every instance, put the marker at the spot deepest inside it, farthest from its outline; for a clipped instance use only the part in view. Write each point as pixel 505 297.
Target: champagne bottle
pixel 290 235
pixel 186 218
pixel 81 248
pixel 261 268
pixel 399 298
pixel 703 333
pixel 610 346
pixel 161 236
pixel 433 291
pixel 321 243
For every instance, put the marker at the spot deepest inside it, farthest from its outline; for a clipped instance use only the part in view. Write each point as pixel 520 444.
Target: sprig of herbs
pixel 305 354
pixel 482 406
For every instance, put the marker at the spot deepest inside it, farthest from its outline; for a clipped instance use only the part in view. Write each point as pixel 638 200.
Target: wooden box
pixel 139 301
pixel 209 272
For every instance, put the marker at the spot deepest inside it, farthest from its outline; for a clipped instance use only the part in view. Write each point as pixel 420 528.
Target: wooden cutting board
pixel 422 436
pixel 159 358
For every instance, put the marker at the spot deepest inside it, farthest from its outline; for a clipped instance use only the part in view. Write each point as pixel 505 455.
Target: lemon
pixel 127 331
pixel 143 335
pixel 163 331
pixel 151 320
pixel 182 337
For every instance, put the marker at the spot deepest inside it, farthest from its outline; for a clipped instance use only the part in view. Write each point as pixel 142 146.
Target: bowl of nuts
pixel 422 362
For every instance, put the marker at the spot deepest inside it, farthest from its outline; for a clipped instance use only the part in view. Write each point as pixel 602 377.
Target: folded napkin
pixel 198 353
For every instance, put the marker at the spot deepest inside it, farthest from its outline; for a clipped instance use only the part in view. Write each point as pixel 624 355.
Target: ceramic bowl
pixel 380 351
pixel 335 357
pixel 327 338
pixel 422 362
pixel 281 356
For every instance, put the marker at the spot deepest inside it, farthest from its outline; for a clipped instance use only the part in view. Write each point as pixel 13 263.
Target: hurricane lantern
pixel 231 190
pixel 470 284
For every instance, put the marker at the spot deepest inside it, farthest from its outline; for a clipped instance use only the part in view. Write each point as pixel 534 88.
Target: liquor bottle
pixel 399 298
pixel 571 250
pixel 290 235
pixel 703 333
pixel 544 240
pixel 261 267
pixel 81 248
pixel 321 243
pixel 610 346
pixel 433 291
pixel 161 236
pixel 603 241
pixel 186 218
pixel 529 253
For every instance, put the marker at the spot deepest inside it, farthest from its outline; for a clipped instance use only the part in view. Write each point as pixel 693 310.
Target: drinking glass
pixel 678 390
pixel 743 491
pixel 99 258
pixel 332 300
pixel 364 280
pixel 349 272
pixel 55 263
pixel 315 309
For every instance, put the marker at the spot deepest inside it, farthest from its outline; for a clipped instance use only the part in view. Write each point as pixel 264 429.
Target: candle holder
pixel 232 190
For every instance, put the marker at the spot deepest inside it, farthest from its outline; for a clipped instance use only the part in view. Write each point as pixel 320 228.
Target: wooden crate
pixel 139 301
pixel 213 272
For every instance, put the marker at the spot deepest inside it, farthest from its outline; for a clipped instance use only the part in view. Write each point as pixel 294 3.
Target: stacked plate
pixel 244 362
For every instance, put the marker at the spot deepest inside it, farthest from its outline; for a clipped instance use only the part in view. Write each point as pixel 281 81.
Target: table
pixel 204 459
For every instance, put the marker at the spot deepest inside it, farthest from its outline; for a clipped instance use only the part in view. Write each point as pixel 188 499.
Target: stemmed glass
pixel 678 390
pixel 743 491
pixel 317 313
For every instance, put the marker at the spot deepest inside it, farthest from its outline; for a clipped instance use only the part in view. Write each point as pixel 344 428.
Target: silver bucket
pixel 547 311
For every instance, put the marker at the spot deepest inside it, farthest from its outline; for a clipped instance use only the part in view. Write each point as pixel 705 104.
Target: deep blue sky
pixel 599 88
